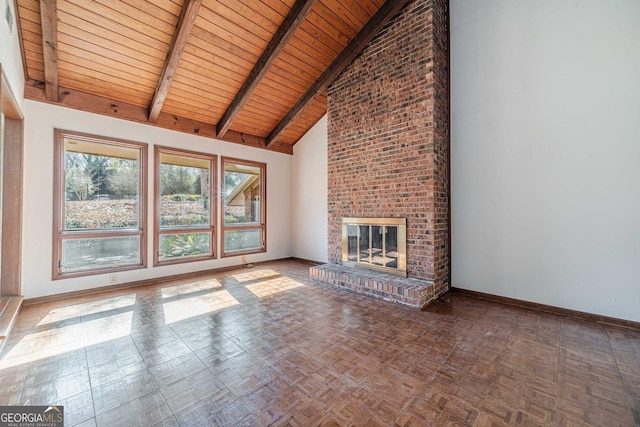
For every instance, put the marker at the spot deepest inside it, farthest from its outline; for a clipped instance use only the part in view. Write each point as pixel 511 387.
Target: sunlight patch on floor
pixel 273 286
pixel 176 311
pixel 92 307
pixel 255 275
pixel 53 342
pixel 189 288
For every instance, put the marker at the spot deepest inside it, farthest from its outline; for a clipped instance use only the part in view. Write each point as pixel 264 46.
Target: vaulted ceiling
pixel 253 72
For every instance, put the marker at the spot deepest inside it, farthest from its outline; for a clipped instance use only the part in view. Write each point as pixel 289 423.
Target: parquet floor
pixel 265 346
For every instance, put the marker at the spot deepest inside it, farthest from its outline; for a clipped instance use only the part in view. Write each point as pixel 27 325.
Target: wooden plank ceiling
pixel 253 72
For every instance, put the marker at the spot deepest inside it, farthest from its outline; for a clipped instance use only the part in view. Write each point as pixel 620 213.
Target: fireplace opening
pixel 376 243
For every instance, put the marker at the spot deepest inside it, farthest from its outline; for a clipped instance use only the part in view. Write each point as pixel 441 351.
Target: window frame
pixel 59 192
pixel 262 225
pixel 213 203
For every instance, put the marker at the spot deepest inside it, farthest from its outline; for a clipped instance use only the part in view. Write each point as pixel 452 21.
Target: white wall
pixel 309 194
pixel 10 56
pixel 546 152
pixel 40 121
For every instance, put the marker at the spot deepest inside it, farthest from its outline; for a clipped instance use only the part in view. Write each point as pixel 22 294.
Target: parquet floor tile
pixel 267 347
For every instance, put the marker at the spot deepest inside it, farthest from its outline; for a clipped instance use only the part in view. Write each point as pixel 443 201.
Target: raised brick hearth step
pixel 407 291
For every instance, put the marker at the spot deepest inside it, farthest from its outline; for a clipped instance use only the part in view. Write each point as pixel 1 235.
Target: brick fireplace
pixel 388 139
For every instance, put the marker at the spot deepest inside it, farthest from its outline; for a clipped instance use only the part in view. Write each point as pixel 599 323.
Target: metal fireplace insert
pixel 376 243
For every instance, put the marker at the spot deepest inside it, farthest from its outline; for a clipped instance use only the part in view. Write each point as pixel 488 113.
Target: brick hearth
pixel 407 291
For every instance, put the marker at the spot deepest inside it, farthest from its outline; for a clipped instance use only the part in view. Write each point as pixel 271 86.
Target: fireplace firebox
pixel 376 243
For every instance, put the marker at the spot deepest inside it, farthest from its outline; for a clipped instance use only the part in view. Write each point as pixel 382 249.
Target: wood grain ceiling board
pixel 93 25
pixel 29 13
pixel 34 58
pixel 116 50
pixel 172 6
pixel 128 36
pixel 256 14
pixel 314 112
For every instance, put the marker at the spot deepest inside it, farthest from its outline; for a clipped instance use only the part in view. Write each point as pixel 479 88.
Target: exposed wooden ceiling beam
pixel 108 107
pixel 49 22
pixel 291 22
pixel 183 29
pixel 359 42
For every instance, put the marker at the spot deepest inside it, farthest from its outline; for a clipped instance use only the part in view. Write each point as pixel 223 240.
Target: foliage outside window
pixel 184 218
pixel 243 207
pixel 99 209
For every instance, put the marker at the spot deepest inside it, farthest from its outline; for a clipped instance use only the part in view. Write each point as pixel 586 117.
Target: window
pixel 184 181
pixel 99 205
pixel 243 207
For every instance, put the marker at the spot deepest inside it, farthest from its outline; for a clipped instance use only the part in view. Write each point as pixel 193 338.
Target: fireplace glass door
pixel 377 243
